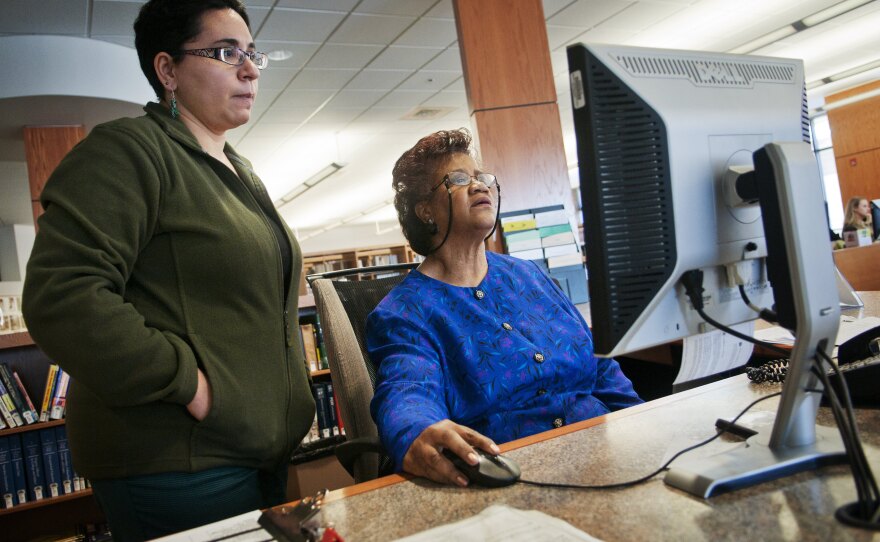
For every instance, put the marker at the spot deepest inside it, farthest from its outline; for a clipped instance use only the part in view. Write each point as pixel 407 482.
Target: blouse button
pixel 557 423
pixel 542 391
pixel 479 294
pixel 539 357
pixel 507 326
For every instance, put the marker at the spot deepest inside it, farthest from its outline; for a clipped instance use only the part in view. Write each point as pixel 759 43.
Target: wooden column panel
pixel 44 147
pixel 504 53
pixel 512 98
pixel 523 147
pixel 859 175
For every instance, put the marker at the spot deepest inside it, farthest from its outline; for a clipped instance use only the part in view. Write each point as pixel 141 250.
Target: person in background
pixel 162 280
pixel 473 347
pixel 858 216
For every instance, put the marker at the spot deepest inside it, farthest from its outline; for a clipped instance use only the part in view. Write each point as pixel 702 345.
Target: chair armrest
pixel 349 451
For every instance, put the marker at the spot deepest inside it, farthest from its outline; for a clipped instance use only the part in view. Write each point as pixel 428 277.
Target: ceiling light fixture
pixel 874 64
pixel 279 54
pixel 807 22
pixel 309 183
pixel 369 210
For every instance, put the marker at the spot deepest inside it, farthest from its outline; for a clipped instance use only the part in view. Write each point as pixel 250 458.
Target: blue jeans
pixel 144 507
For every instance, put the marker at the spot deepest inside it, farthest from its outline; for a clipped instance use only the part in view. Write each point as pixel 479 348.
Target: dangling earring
pixel 174 111
pixel 432 228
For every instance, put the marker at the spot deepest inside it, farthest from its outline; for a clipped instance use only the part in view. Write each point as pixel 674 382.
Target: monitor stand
pixel 795 443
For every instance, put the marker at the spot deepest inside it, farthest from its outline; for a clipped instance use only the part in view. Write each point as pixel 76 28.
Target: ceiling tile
pixel 370 29
pixel 404 58
pixel 299 25
pixel 405 98
pixel 559 36
pixel 552 7
pixel 281 114
pixel 429 32
pixel 448 98
pixel 273 130
pixel 378 79
pixel 333 5
pixel 639 17
pixel 334 55
pixel 301 52
pixel 292 98
pixel 66 17
pixel 449 60
pixel 430 80
pixel 355 98
pixel 336 116
pixel 382 114
pixel 263 3
pixel 276 79
pixel 395 7
pixel 321 79
pixel 257 16
pixel 588 13
pixel 113 18
pixel 127 41
pixel 442 10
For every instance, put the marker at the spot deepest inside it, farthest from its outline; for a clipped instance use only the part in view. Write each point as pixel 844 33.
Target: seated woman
pixel 858 216
pixel 474 347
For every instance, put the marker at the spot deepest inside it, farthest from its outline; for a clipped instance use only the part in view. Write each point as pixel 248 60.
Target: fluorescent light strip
pixel 309 183
pixel 844 74
pixel 348 220
pixel 807 22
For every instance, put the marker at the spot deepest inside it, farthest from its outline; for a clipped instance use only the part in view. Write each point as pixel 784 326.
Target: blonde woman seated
pixel 474 347
pixel 858 216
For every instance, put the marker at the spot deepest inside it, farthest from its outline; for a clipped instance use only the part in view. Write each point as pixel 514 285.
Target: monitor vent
pixel 805 118
pixel 702 72
pixel 630 199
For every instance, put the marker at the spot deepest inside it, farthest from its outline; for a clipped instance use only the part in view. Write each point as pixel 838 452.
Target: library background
pixel 41 494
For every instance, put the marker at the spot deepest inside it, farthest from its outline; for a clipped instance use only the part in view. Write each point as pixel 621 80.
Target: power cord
pixel 664 467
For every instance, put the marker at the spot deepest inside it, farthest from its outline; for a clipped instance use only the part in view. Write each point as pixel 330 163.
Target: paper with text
pixel 499 523
pixel 713 352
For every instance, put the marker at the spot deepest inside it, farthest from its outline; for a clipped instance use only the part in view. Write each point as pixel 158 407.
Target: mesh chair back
pixel 359 298
pixel 343 306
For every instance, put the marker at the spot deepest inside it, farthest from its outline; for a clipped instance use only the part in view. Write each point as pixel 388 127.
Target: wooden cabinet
pixel 60 515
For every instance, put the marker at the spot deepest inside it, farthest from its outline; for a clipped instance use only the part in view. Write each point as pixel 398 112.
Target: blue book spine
pixel 33 465
pixel 51 465
pixel 321 407
pixel 18 470
pixel 7 480
pixel 67 474
pixel 331 408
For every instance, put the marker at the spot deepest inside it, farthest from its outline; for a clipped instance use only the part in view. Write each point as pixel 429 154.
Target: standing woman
pixel 163 281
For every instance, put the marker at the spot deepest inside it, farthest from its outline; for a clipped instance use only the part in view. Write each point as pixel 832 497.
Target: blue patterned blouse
pixel 509 358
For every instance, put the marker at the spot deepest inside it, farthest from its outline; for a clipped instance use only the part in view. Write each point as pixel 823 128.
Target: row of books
pixel 313 346
pixel 328 422
pixel 36 465
pixel 545 236
pixel 16 406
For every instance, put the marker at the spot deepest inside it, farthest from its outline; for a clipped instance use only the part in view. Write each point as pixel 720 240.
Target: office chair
pixel 343 300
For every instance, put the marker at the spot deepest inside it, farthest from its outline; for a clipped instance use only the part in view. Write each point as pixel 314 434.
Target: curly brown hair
pixel 415 173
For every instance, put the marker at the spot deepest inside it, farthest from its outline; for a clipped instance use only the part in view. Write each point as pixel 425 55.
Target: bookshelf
pixel 347 259
pixel 50 516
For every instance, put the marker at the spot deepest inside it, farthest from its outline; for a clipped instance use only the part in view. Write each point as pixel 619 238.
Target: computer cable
pixel 664 467
pixel 693 286
pixel 865 512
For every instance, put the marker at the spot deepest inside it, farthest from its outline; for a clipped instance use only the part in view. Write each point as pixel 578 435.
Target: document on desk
pixel 713 352
pixel 499 523
pixel 849 327
pixel 242 528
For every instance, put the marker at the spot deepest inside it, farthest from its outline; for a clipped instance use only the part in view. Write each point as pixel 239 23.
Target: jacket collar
pixel 177 130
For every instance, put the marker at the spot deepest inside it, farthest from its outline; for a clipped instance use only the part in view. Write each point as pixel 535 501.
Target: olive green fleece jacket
pixel 153 260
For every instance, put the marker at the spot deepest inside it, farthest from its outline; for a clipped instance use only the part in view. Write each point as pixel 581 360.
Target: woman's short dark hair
pixel 415 174
pixel 165 25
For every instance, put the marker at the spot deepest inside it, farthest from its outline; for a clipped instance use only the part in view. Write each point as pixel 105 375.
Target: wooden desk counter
pixel 622 446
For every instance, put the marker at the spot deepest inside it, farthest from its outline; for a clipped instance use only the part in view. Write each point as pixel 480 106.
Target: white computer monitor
pixel 663 136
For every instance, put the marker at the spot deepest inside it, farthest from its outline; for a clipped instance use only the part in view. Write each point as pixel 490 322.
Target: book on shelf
pixel 319 344
pixel 16 455
pixel 551 218
pixel 7 481
pixel 46 405
pixel 7 408
pixel 560 250
pixel 59 396
pixel 15 394
pixel 331 408
pixel 338 413
pixel 564 260
pixel 27 398
pixel 321 406
pixel 51 464
pixel 534 254
pixel 33 465
pixel 64 459
pixel 309 347
pixel 2 423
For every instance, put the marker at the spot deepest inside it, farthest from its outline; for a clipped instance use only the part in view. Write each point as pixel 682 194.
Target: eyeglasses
pixel 231 55
pixel 460 178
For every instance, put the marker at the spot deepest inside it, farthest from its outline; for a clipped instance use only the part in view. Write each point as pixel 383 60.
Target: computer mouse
pixel 491 471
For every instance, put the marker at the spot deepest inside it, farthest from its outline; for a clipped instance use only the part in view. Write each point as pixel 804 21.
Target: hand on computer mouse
pixel 425 457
